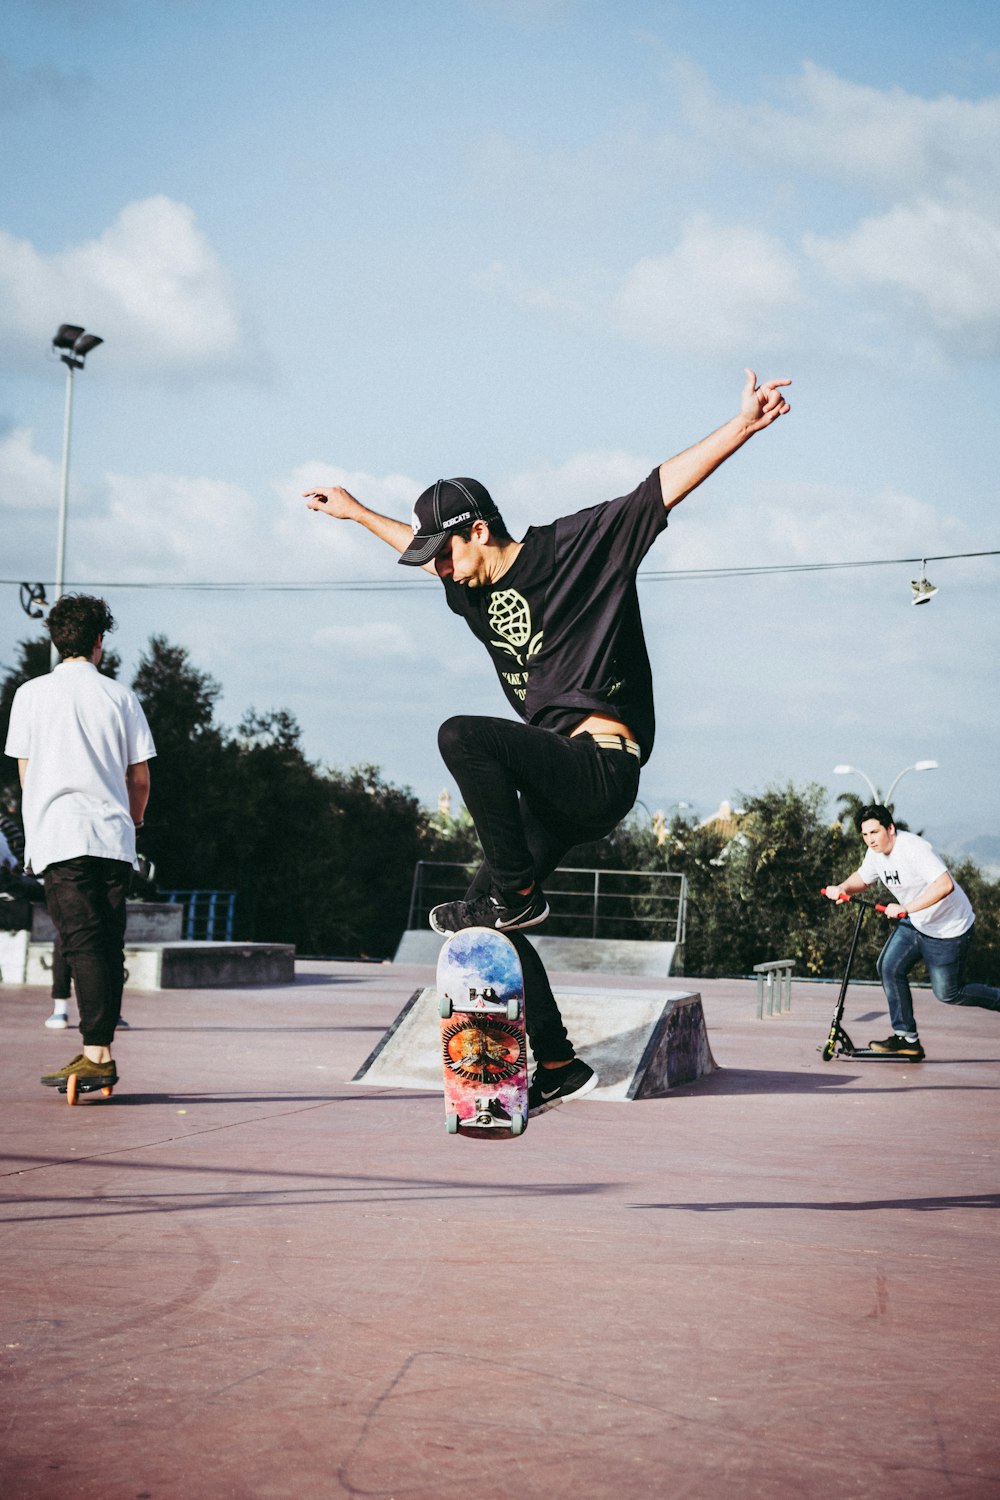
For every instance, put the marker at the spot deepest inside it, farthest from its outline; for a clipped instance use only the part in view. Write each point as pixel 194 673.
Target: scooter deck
pixel 839 1044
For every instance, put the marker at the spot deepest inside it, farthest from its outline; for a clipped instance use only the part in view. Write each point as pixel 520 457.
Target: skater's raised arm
pixel 759 407
pixel 343 506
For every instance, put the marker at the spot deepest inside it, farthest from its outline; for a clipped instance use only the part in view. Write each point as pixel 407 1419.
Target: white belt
pixel 615 742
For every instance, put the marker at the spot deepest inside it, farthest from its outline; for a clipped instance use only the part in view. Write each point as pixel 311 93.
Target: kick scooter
pixel 838 1043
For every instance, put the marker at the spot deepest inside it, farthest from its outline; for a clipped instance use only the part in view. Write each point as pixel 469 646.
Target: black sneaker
pixel 493 910
pixel 898 1046
pixel 552 1086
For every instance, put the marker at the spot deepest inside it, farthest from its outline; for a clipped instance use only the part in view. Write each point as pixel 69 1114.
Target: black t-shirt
pixel 562 625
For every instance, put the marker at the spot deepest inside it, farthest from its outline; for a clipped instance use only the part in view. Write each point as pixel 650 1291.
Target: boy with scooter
pixel 935 923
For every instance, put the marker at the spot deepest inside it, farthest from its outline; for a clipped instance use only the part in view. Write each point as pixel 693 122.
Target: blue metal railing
pixel 208 915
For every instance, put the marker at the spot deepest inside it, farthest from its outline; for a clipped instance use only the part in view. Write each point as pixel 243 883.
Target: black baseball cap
pixel 447 506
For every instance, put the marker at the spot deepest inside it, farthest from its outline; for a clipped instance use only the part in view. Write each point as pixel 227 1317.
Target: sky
pixel 538 242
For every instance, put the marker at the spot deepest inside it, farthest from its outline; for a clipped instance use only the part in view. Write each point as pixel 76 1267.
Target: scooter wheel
pixel 828 1052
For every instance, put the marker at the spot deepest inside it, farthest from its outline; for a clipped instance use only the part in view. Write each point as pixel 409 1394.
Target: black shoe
pixel 552 1086
pixel 494 910
pixel 898 1046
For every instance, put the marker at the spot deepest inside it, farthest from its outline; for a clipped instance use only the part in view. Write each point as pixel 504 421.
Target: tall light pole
pixel 76 344
pixel 920 765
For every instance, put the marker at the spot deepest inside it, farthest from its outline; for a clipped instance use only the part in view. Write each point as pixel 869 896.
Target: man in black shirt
pixel 559 615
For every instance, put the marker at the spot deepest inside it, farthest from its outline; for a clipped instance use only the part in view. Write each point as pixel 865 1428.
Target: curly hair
pixel 76 621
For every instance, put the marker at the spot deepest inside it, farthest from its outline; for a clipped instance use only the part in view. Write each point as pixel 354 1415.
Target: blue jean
pixel 945 959
pixel 532 795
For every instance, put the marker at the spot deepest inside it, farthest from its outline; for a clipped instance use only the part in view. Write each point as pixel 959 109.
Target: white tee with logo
pixel 906 873
pixel 79 732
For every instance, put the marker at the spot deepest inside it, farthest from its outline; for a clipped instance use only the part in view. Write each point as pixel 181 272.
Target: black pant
pixel 533 795
pixel 86 901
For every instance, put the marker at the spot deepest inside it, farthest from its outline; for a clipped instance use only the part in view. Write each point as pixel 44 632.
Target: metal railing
pixel 208 915
pixel 648 905
pixel 774 978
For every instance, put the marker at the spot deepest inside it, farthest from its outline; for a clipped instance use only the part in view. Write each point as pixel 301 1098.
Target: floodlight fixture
pixel 67 335
pixel 77 343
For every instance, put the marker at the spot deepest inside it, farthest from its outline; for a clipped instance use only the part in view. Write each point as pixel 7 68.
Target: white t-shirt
pixel 907 872
pixel 79 732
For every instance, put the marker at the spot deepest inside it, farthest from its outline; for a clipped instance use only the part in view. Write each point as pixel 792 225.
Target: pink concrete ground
pixel 245 1277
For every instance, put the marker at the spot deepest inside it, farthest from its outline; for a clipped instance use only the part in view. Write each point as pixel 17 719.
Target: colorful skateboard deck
pixel 484 1048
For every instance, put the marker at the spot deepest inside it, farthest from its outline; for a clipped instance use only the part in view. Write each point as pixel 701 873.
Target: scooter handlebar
pixel 843 898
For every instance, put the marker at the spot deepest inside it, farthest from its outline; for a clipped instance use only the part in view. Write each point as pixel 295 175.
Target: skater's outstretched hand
pixel 762 404
pixel 335 501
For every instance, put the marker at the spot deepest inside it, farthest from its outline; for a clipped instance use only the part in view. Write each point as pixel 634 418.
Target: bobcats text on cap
pixel 442 508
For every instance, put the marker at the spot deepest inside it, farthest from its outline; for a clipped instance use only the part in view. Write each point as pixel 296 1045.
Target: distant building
pixel 725 821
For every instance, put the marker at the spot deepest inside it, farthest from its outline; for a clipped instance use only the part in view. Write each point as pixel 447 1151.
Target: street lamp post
pixel 920 765
pixel 76 344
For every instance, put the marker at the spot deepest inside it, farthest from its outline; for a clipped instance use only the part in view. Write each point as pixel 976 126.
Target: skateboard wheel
pixel 513 1009
pixel 71 1089
pixel 107 1092
pixel 444 1007
pixel 517 1124
pixel 451 1124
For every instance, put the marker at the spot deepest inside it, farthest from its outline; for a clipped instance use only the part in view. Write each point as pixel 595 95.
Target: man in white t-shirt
pixel 83 745
pixel 934 922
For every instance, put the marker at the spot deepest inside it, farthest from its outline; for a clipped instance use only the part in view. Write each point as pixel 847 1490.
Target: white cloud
pixel 934 163
pixel 722 288
pixel 151 284
pixel 157 528
pixel 533 497
pixel 945 260
pixel 888 141
pixel 28 480
pixel 811 523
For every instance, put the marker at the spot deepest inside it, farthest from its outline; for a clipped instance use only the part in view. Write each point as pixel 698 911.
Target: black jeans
pixel 533 795
pixel 86 901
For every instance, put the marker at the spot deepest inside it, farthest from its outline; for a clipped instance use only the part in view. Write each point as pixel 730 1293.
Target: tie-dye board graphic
pixel 483 1046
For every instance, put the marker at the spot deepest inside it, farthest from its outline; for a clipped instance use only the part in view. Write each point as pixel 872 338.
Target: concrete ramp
pixel 642 1042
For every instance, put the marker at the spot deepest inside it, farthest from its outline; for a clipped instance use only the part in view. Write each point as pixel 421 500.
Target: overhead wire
pixel 349 585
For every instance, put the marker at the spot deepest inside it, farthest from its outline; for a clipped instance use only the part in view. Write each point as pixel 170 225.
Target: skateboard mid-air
pixel 483 1043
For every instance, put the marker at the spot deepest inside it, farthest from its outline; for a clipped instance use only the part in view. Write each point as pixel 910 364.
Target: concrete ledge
pixel 146 922
pixel 577 955
pixel 188 966
pixel 642 1042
